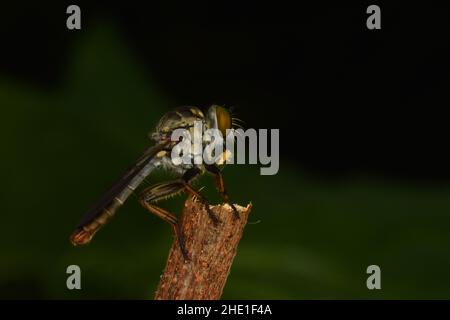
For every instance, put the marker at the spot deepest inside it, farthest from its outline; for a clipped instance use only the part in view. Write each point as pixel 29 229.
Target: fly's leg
pixel 151 195
pixel 221 187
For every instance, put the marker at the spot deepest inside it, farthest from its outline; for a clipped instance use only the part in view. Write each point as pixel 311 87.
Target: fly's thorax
pixel 180 118
pixel 163 160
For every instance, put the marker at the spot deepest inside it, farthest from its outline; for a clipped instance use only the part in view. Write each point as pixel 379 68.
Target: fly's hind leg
pixel 151 195
pixel 221 187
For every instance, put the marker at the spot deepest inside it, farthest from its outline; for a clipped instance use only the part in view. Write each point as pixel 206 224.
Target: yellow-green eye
pixel 223 120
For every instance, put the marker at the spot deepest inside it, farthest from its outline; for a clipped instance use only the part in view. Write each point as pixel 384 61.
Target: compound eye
pixel 223 120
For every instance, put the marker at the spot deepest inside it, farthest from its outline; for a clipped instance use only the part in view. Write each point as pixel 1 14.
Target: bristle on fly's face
pixel 237 123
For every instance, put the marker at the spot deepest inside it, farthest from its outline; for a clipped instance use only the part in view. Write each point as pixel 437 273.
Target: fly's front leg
pixel 221 187
pixel 187 177
pixel 161 191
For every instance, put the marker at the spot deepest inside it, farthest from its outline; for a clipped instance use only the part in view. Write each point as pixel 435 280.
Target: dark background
pixel 364 175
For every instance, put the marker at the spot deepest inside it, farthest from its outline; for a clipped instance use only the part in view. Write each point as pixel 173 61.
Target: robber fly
pixel 159 155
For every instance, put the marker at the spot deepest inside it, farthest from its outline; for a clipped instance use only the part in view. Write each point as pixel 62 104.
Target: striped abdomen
pixel 105 208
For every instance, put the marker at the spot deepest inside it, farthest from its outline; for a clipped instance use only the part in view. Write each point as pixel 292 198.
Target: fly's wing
pixel 98 208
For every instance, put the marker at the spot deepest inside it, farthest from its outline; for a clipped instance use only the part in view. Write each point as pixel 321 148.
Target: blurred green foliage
pixel 63 147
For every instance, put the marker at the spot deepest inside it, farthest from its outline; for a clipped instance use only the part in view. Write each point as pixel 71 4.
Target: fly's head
pixel 219 118
pixel 223 119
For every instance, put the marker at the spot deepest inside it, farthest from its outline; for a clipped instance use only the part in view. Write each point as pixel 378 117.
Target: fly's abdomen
pixel 101 215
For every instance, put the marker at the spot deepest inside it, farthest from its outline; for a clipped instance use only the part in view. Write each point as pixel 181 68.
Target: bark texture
pixel 211 250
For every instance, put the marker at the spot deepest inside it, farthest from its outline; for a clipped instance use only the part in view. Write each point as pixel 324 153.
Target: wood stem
pixel 211 251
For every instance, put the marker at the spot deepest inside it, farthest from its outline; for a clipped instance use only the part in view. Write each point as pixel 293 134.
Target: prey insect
pixel 159 155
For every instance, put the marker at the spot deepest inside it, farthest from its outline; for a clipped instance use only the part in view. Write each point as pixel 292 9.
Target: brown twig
pixel 211 251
